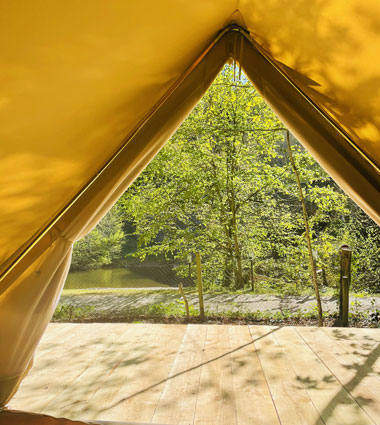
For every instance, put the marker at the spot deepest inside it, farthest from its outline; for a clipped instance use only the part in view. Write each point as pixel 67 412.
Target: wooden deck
pixel 206 375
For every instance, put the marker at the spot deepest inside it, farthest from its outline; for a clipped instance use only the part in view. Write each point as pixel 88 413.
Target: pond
pixel 111 278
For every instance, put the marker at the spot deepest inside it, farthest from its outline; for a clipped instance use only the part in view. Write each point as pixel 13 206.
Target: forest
pixel 226 185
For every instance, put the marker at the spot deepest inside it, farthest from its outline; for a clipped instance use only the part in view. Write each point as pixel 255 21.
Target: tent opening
pixel 223 187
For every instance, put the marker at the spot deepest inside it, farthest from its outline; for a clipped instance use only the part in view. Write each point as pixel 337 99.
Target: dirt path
pixel 119 302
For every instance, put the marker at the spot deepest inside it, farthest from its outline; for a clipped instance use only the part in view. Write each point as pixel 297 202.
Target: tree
pixel 362 234
pixel 224 185
pixel 205 191
pixel 101 247
pixel 307 231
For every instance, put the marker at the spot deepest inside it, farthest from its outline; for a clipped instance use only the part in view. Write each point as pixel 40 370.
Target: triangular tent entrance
pixel 92 92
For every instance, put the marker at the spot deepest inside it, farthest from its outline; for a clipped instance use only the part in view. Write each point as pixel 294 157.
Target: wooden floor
pixel 222 375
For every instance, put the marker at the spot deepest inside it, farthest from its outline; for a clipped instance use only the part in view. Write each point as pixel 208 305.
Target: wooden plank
pixel 52 335
pixel 89 395
pixel 333 402
pixel 357 346
pixel 216 398
pixel 139 393
pixel 293 403
pixel 56 340
pixel 254 404
pixel 49 352
pixel 63 366
pixel 179 397
pixel 355 376
pixel 54 327
pixel 206 374
pixel 367 336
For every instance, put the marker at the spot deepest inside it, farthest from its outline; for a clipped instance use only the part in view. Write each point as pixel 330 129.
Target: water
pixel 111 278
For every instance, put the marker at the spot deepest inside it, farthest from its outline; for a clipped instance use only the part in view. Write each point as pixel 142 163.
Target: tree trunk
pixel 239 269
pixel 231 170
pixel 229 255
pixel 307 232
pixel 324 277
pixel 228 275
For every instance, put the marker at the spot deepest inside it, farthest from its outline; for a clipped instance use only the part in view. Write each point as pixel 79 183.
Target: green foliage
pixel 363 235
pixel 69 313
pixel 224 186
pixel 205 189
pixel 161 312
pixel 174 309
pixel 101 247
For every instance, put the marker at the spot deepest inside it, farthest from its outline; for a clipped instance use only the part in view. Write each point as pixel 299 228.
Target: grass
pixel 327 292
pixel 175 313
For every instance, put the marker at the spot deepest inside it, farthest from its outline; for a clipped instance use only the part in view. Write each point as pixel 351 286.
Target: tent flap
pixel 28 302
pixel 348 166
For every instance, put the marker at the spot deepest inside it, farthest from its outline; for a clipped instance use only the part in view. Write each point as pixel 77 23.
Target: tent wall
pixel 26 306
pixel 76 78
pixel 348 166
pixel 30 291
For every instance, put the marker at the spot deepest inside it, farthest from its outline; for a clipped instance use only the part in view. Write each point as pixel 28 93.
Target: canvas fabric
pixel 91 91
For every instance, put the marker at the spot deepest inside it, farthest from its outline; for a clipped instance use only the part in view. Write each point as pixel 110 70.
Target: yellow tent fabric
pixel 92 90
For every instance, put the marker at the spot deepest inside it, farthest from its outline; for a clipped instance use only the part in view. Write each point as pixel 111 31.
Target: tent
pixel 91 90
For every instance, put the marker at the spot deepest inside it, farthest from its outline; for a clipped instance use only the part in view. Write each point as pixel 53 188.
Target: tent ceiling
pixel 77 77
